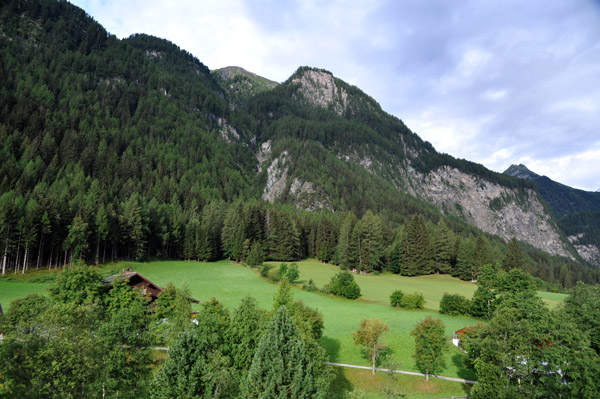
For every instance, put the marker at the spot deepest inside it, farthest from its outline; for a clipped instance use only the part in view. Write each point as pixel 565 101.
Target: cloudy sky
pixel 495 82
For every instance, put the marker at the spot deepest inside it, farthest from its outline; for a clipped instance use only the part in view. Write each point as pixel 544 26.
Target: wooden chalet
pixel 140 283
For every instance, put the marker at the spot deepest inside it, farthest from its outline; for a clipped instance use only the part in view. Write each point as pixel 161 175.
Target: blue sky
pixel 495 82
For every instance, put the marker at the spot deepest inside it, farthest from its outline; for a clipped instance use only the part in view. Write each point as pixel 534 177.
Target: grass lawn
pixel 379 288
pixel 347 380
pixel 11 290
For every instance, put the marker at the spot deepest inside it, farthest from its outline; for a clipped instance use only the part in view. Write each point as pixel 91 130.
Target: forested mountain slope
pixel 133 148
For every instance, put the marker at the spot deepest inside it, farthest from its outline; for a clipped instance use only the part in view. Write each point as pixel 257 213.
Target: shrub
pixel 310 286
pixel 412 301
pixel 265 269
pixel 293 273
pixel 396 298
pixel 282 271
pixel 454 304
pixel 343 284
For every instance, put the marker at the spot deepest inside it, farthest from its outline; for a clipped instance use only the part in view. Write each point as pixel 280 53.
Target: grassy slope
pixel 11 290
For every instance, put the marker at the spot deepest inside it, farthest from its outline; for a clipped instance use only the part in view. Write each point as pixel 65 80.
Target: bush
pixel 343 284
pixel 412 301
pixel 282 271
pixel 396 298
pixel 310 286
pixel 293 273
pixel 454 304
pixel 265 269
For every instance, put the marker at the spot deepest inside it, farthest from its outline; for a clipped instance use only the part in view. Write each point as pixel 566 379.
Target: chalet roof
pixel 136 279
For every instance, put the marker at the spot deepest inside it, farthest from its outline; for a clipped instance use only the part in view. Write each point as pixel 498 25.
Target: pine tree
pixel 443 245
pixel 325 239
pixel 247 326
pixel 180 377
pixel 418 248
pixel 514 258
pixel 464 260
pixel 344 241
pixel 281 367
pixel 371 248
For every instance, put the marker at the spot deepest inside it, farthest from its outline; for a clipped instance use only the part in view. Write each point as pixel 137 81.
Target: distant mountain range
pixel 578 211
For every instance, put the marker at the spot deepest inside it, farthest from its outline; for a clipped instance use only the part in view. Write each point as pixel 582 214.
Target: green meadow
pixel 230 282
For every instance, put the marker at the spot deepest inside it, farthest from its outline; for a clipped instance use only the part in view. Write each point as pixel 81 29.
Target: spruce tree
pixel 443 245
pixel 344 240
pixel 247 326
pixel 180 377
pixel 464 260
pixel 418 248
pixel 513 259
pixel 326 241
pixel 281 367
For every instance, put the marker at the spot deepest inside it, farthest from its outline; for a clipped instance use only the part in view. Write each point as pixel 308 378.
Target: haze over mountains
pixel 134 145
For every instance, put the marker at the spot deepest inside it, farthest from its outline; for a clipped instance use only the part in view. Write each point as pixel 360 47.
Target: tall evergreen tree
pixel 443 245
pixel 281 367
pixel 343 250
pixel 326 239
pixel 417 259
pixel 514 258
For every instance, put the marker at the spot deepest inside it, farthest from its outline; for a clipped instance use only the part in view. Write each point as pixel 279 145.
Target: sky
pixel 494 82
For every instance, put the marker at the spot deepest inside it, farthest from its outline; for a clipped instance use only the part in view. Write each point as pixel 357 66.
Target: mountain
pixel 133 148
pixel 578 211
pixel 563 200
pixel 316 119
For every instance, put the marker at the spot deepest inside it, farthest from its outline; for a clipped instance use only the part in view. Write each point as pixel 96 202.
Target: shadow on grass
pixel 332 346
pixel 463 371
pixel 340 385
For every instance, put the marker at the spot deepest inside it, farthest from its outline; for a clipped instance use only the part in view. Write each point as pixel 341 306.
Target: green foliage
pixel 343 284
pixel 430 345
pixel 527 351
pixel 583 306
pixel 265 269
pixel 310 286
pixel 247 326
pixel 181 374
pixel 293 273
pixel 368 335
pixel 513 258
pixel 281 367
pixel 417 249
pixel 454 304
pixel 412 301
pixel 396 298
pixel 80 285
pixel 256 256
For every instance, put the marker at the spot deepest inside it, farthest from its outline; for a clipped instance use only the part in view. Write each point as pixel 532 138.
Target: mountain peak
pixel 319 87
pixel 521 171
pixel 231 72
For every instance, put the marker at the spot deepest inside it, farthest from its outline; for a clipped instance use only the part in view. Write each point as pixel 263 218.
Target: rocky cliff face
pixel 492 208
pixel 319 88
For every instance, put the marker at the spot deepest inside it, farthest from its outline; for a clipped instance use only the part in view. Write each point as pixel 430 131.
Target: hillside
pixel 578 211
pixel 133 148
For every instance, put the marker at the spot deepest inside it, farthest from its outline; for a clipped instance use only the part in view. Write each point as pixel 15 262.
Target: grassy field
pixel 229 283
pixel 11 290
pixel 379 288
pixel 347 380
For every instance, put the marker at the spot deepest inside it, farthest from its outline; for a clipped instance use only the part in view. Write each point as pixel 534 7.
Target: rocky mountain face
pixel 578 211
pixel 412 166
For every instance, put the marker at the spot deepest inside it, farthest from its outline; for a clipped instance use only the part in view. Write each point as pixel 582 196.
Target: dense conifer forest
pixel 113 149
